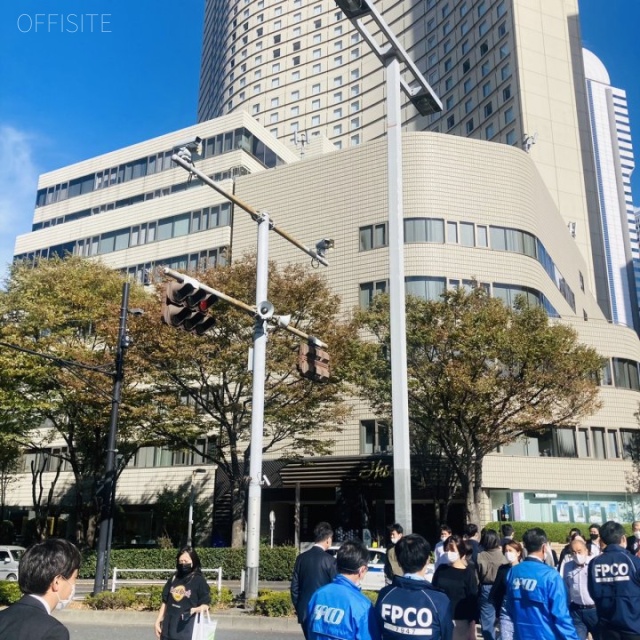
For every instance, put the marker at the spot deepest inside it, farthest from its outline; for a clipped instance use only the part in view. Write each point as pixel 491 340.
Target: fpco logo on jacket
pixel 414 621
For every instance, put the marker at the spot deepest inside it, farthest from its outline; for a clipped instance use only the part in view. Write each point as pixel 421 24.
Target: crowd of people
pixel 513 589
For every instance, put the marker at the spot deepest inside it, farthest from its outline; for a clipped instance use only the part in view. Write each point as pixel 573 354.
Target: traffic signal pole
pixel 263 313
pixel 254 503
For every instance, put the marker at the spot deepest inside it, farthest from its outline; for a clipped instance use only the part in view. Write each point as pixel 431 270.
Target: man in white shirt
pixel 575 574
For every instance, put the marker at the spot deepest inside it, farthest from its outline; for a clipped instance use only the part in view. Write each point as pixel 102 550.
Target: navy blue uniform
pixel 411 607
pixel 614 585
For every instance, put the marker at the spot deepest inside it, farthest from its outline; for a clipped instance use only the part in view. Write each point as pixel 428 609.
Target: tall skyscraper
pixel 507 71
pixel 613 158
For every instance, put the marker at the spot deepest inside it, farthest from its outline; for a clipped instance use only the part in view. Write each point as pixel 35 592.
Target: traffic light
pixel 185 306
pixel 313 363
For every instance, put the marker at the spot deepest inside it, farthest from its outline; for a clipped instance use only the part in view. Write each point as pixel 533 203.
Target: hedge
pixel 556 531
pixel 147 598
pixel 9 592
pixel 275 564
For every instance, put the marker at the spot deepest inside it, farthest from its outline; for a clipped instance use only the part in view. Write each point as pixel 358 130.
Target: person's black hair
pixel 322 531
pixel 445 528
pixel 195 559
pixel 574 531
pixel 507 530
pixel 352 554
pixel 470 530
pixel 595 526
pixel 412 553
pixel 43 561
pixel 534 539
pixel 490 539
pixel 396 527
pixel 456 543
pixel 612 532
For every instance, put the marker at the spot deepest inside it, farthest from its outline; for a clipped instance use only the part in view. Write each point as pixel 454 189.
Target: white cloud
pixel 18 184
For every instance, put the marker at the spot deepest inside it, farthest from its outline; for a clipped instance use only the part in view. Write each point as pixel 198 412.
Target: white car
pixel 374 578
pixel 9 558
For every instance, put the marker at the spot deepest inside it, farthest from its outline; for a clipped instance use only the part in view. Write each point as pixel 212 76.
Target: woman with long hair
pixel 185 594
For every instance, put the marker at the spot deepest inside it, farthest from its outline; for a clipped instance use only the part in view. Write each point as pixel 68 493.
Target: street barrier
pixel 115 581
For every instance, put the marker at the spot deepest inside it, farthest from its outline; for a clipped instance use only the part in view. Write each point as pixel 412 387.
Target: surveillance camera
pixel 322 246
pixel 265 480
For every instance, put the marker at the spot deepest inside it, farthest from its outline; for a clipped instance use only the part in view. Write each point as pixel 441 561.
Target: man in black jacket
pixel 47 576
pixel 410 606
pixel 633 542
pixel 313 569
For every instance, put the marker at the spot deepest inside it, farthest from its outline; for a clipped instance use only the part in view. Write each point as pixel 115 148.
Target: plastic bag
pixel 204 627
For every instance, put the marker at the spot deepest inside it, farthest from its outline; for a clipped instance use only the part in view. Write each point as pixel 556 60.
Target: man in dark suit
pixel 633 542
pixel 313 569
pixel 47 577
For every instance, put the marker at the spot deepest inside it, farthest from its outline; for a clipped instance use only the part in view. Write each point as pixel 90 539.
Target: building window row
pixel 433 287
pixel 467 234
pixel 240 138
pixel 234 172
pixel 147 273
pixel 581 442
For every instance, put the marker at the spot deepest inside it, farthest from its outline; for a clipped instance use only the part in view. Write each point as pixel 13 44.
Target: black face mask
pixel 184 569
pixel 594 536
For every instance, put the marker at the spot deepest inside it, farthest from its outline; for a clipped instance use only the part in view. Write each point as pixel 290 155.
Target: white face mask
pixel 579 558
pixel 63 603
pixel 636 535
pixel 511 556
pixel 452 556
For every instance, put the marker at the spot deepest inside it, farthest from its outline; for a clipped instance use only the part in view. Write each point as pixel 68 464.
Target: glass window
pixel 369 290
pixel 424 230
pixel 584 450
pixel 481 236
pixel 612 444
pixel 566 443
pixel 424 287
pixel 630 443
pixel 467 234
pixel 489 131
pixel 598 443
pixel 452 232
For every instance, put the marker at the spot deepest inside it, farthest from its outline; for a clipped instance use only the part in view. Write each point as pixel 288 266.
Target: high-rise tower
pixel 508 71
pixel 617 289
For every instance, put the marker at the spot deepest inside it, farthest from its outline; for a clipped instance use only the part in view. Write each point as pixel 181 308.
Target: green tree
pixel 480 375
pixel 171 506
pixel 214 385
pixel 69 311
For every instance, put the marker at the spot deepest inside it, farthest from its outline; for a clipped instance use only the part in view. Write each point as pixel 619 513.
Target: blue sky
pixel 130 70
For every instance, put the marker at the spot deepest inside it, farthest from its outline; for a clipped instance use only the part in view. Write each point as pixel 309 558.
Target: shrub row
pixel 9 592
pixel 277 604
pixel 147 598
pixel 556 531
pixel 275 564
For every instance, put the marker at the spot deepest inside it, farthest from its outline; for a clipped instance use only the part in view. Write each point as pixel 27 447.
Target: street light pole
pixel 397 316
pixel 391 54
pixel 107 509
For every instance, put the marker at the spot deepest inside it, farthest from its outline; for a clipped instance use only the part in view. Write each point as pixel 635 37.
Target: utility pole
pixel 108 487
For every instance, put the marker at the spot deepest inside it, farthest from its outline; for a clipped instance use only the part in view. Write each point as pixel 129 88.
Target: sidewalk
pixel 233 619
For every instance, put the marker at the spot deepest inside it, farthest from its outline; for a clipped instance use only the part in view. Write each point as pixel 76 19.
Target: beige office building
pixel 514 216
